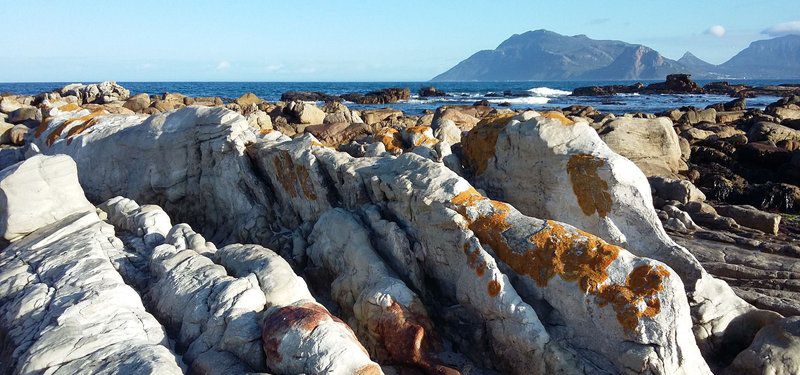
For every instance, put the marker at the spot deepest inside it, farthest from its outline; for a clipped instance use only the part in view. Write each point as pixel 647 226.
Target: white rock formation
pixel 650 143
pixel 38 191
pixel 63 307
pixel 576 178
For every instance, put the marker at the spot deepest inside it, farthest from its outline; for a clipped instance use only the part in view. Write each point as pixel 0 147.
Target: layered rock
pixel 538 291
pixel 63 307
pixel 594 188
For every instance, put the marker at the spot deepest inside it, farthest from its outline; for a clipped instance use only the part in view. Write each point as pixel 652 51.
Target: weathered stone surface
pixel 63 307
pixel 650 143
pixel 138 102
pixel 767 131
pixel 751 217
pixel 37 192
pixel 99 93
pixel 595 189
pixel 676 190
pixel 477 256
pixel 775 350
pixel 305 113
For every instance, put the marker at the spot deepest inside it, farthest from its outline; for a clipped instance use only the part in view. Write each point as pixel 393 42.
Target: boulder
pixel 374 116
pixel 430 91
pixel 305 113
pixel 25 114
pixel 383 96
pixel 729 116
pixel 99 93
pixel 138 102
pixel 464 120
pixel 9 104
pixel 260 121
pixel 681 191
pixel 247 99
pixel 37 192
pixel 775 350
pixel 336 134
pixel 308 96
pixel 751 217
pixel 768 131
pixel 650 143
pixel 675 84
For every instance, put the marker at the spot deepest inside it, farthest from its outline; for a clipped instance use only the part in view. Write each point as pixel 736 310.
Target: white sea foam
pixel 548 92
pixel 523 100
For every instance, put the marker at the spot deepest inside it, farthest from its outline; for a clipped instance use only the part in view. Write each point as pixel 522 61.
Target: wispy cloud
pixel 598 21
pixel 273 68
pixel 716 30
pixel 782 29
pixel 224 65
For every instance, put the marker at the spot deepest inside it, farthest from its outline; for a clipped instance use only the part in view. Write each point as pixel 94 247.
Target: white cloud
pixel 273 68
pixel 782 29
pixel 223 65
pixel 716 30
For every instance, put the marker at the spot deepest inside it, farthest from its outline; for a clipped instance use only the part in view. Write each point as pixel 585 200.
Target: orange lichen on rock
pixel 641 285
pixel 266 131
pixel 571 254
pixel 391 139
pixel 69 107
pixel 558 116
pixel 478 145
pixel 82 120
pixel 371 369
pixel 288 174
pixel 590 190
pixel 417 129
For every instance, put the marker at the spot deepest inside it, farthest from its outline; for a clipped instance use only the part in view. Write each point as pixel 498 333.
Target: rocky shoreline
pixel 683 84
pixel 313 238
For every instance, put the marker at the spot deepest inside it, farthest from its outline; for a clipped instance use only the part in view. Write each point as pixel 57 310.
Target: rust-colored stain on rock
pixel 42 126
pixel 391 139
pixel 478 145
pixel 404 336
pixel 89 119
pixel 555 115
pixel 590 190
pixel 641 285
pixel 289 173
pixel 305 317
pixel 493 288
pixel 571 254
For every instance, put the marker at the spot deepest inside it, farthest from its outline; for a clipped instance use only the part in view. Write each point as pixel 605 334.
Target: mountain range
pixel 543 55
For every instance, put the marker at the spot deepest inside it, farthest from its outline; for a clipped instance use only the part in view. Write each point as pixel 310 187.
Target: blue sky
pixel 343 40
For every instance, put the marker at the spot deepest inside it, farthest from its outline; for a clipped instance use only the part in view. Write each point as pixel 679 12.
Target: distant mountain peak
pixel 546 55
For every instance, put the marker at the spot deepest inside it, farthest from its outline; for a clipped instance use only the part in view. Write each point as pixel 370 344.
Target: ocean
pixel 536 95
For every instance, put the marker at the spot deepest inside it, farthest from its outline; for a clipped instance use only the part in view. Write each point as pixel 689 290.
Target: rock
pixel 100 93
pixel 607 90
pixel 695 134
pixel 693 116
pixel 138 102
pixel 738 104
pixel 430 91
pixel 764 154
pixel 678 190
pixel 588 184
pixel 767 131
pixel 729 116
pixel 260 121
pixel 675 84
pixel 489 297
pixel 305 113
pixel 447 131
pixel 25 114
pixel 751 217
pixel 247 99
pixel 334 135
pixel 308 96
pixel 651 144
pixel 383 96
pixel 37 192
pixel 9 104
pixel 374 116
pixel 775 350
pixel 463 120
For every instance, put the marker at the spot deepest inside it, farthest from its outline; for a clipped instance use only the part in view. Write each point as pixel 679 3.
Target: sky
pixel 386 40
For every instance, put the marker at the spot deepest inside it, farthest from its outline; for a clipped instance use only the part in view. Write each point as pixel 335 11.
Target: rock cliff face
pixel 543 254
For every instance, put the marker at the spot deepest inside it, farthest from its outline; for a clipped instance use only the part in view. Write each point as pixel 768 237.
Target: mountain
pixel 772 58
pixel 636 62
pixel 536 55
pixel 545 55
